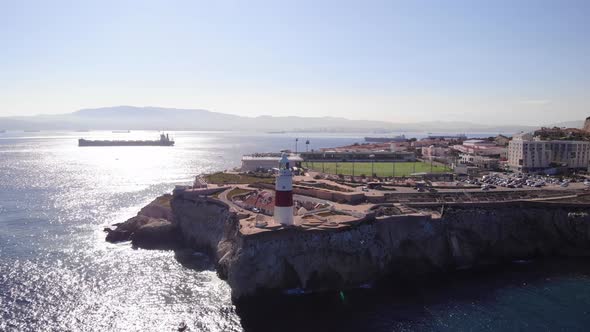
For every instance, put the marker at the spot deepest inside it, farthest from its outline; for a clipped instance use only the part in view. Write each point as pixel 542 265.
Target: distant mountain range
pixel 157 118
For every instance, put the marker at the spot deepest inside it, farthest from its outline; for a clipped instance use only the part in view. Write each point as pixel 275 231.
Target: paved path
pixel 223 197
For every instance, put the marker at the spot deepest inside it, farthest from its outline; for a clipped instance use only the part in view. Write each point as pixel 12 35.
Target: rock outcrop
pixel 152 228
pixel 205 223
pixel 157 234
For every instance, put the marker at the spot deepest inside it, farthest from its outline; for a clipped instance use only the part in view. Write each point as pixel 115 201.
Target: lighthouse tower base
pixel 284 215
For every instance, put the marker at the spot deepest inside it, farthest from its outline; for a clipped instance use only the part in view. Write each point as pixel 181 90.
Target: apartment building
pixel 530 154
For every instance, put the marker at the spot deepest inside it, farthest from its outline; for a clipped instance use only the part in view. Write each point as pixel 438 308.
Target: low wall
pixel 193 193
pixel 334 196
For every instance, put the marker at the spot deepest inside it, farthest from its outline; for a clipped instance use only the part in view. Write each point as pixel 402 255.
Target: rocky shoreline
pixel 152 228
pixel 406 246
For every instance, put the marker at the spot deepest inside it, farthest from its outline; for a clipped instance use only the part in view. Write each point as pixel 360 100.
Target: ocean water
pixel 58 274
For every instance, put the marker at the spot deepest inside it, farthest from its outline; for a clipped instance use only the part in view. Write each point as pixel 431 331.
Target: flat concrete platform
pixel 261 223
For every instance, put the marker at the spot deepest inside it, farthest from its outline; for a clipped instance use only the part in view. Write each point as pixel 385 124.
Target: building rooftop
pixel 270 158
pixel 478 142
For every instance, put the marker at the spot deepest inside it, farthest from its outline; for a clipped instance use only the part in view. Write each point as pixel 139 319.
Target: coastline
pixel 371 249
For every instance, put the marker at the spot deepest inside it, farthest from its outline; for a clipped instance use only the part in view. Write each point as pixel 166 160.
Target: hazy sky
pixel 525 62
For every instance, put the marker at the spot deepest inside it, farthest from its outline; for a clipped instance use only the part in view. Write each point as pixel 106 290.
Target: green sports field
pixel 382 169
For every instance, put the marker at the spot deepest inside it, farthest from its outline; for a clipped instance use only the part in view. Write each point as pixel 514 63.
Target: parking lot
pixel 519 181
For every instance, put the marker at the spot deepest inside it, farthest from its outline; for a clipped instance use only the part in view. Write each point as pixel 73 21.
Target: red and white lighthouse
pixel 283 212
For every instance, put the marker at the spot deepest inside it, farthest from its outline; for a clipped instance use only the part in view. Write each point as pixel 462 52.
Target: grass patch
pixel 324 186
pixel 237 191
pixel 225 178
pixel 382 169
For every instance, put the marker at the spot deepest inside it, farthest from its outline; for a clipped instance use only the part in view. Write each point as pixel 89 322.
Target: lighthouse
pixel 283 212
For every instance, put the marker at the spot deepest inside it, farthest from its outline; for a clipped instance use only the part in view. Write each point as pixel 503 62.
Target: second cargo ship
pixel 163 141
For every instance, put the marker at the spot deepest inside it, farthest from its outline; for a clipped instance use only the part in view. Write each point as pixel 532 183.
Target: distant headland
pixel 160 118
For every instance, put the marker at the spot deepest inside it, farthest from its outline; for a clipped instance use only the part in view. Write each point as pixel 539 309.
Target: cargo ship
pixel 163 141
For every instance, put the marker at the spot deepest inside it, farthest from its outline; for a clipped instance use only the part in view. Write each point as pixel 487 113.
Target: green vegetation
pixel 237 191
pixel 382 169
pixel 224 178
pixel 325 186
pixel 164 200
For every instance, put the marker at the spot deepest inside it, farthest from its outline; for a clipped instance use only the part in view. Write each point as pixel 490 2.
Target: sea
pixel 58 274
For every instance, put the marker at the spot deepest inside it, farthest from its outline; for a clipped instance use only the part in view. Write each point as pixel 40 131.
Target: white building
pixel 481 148
pixel 432 152
pixel 264 162
pixel 482 162
pixel 529 154
pixel 464 169
pixel 398 146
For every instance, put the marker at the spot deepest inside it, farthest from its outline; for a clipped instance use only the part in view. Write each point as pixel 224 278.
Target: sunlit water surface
pixel 56 270
pixel 58 274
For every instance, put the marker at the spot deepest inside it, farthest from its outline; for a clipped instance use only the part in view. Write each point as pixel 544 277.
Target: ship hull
pixel 83 142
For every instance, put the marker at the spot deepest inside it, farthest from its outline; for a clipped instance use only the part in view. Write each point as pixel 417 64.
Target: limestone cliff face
pixel 204 222
pixel 517 231
pixel 294 258
pixel 411 245
pixel 320 260
pixel 403 245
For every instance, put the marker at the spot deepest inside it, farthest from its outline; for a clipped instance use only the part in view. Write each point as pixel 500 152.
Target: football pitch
pixel 382 169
